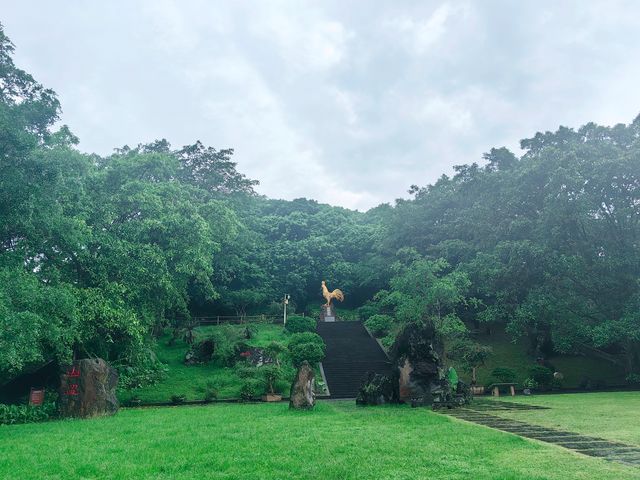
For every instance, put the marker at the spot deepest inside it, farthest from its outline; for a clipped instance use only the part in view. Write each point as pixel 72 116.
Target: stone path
pixel 593 446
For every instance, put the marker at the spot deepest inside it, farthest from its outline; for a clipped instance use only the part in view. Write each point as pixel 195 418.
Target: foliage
pixel 503 375
pixel 271 375
pixel 210 395
pixel 297 324
pixel 543 376
pixel 470 354
pixel 306 337
pixel 311 352
pixel 251 388
pixel 13 414
pixel 530 383
pixel 178 398
pixel 379 325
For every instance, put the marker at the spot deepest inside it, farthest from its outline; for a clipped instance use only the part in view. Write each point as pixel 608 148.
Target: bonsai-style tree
pixel 272 373
pixel 471 355
pixel 274 350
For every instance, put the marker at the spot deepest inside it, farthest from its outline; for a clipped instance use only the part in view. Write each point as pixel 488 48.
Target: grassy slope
pixel 611 415
pixel 268 441
pixel 192 381
pixel 506 353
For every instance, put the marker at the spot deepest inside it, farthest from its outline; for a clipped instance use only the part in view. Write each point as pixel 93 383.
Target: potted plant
pixel 529 386
pixel 271 376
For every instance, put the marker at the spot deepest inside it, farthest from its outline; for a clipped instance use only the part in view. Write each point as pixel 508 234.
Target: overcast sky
pixel 346 102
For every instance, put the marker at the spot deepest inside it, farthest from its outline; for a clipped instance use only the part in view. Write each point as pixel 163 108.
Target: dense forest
pixel 100 254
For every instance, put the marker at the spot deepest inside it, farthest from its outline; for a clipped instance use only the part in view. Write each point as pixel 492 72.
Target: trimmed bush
pixel 306 337
pixel 297 324
pixel 311 352
pixel 178 399
pixel 379 325
pixel 503 375
pixel 542 375
pixel 251 388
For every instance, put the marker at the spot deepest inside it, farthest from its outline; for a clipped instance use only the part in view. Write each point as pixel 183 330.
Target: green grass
pixel 268 441
pixel 192 381
pixel 507 353
pixel 611 415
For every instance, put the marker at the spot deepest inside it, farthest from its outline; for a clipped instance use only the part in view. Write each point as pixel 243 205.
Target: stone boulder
pixel 377 389
pixel 88 389
pixel 416 356
pixel 302 395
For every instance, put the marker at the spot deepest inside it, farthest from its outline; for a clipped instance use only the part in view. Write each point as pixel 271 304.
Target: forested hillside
pixel 99 254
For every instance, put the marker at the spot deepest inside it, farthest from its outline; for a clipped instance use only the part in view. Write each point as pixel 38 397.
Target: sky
pixel 348 103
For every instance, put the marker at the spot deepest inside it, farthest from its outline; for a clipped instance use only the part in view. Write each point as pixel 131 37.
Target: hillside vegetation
pixel 101 255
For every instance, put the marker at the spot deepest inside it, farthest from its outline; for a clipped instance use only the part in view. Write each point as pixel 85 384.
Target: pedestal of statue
pixel 327 314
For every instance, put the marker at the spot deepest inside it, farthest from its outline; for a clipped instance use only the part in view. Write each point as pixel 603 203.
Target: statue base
pixel 327 314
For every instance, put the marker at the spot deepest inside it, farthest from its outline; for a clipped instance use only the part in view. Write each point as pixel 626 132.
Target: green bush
pixel 311 352
pixel 297 324
pixel 542 375
pixel 14 414
pixel 306 337
pixel 246 370
pixel 271 374
pixel 178 399
pixel 210 394
pixel 251 388
pixel 503 375
pixel 379 325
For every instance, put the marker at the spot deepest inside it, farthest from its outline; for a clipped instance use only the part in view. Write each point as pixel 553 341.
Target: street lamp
pixel 285 302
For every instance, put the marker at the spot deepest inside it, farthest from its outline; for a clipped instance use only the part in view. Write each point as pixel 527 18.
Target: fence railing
pixel 237 319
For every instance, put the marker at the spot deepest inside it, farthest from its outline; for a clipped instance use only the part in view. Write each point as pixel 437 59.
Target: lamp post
pixel 285 302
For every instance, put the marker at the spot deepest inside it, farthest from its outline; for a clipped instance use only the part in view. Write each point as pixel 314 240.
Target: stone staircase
pixel 351 353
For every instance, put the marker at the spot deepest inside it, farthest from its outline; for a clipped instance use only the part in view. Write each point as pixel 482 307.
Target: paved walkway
pixel 593 446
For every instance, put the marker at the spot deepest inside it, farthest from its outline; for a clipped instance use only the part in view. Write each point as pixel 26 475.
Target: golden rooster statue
pixel 337 294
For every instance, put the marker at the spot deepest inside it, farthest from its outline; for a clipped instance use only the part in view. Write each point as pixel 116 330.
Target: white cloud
pixel 348 103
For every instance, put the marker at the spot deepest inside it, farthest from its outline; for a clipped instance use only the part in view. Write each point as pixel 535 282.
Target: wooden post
pixel 513 390
pixel 496 391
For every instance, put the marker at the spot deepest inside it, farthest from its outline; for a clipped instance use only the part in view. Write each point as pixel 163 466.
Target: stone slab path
pixel 592 446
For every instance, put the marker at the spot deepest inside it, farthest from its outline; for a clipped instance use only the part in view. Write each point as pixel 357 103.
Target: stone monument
pixel 302 396
pixel 88 389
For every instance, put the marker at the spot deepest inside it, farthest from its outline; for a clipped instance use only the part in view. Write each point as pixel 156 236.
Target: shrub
pixel 271 375
pixel 14 414
pixel 246 370
pixel 311 352
pixel 178 398
pixel 297 324
pixel 210 394
pixel 503 375
pixel 633 379
pixel 274 350
pixel 530 383
pixel 306 337
pixel 379 325
pixel 250 389
pixel 542 375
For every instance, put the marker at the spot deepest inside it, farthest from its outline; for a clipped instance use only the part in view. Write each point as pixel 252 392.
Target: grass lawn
pixel 268 441
pixel 611 415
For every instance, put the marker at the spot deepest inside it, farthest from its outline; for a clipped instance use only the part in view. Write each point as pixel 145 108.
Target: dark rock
pixel 302 394
pixel 201 352
pixel 88 389
pixel 416 356
pixel 422 379
pixel 377 389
